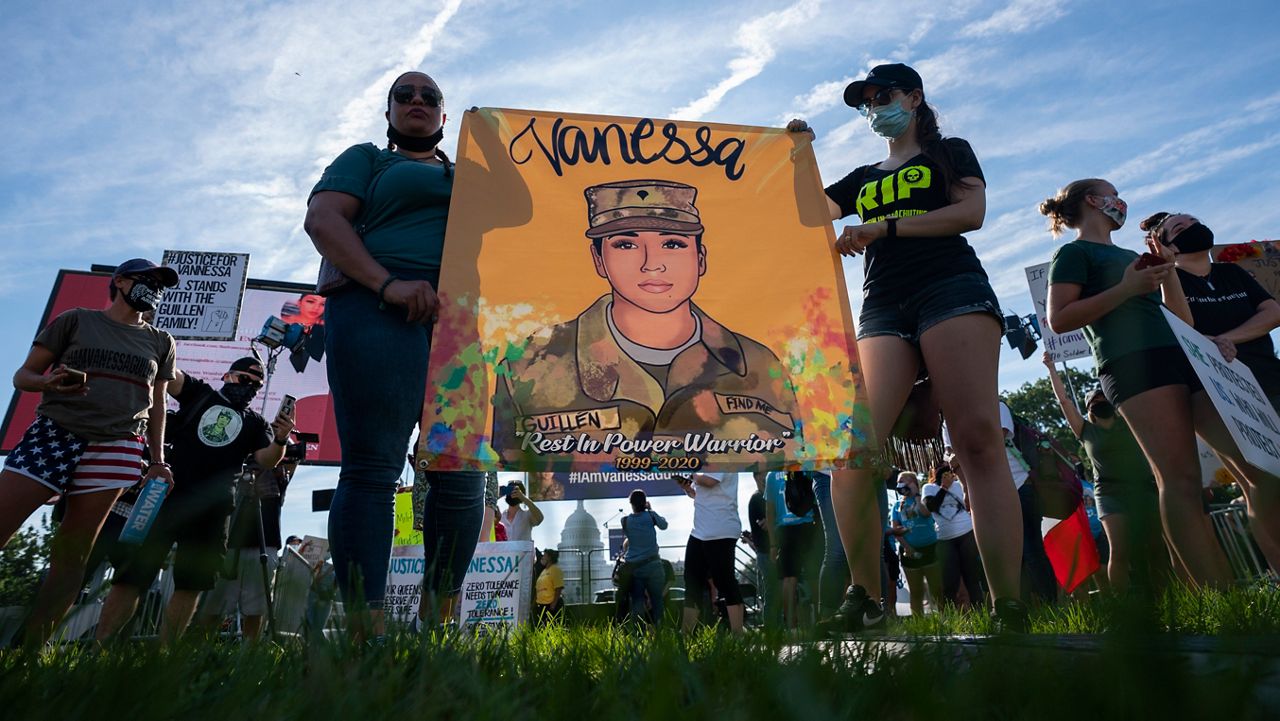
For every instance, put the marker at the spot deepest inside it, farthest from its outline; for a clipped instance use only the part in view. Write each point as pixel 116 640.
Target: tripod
pixel 250 495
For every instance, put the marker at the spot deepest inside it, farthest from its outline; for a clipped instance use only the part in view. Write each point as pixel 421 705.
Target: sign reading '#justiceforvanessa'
pixel 643 295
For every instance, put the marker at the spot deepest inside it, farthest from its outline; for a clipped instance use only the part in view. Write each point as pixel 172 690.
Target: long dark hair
pixel 938 471
pixel 929 136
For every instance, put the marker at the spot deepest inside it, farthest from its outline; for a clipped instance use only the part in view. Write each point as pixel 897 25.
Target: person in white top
pixel 1038 578
pixel 518 521
pixel 708 557
pixel 945 498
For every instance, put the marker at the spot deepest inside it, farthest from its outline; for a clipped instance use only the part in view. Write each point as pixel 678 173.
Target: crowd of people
pixel 970 535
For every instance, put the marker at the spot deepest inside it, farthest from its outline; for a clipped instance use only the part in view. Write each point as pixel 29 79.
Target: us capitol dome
pixel 581 550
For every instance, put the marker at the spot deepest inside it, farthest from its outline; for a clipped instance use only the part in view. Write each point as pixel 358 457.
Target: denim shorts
pixel 944 299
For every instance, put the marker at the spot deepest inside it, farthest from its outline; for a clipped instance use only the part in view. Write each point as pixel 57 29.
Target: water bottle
pixel 145 510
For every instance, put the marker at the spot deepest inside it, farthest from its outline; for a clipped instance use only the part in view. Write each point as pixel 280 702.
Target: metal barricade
pixel 1231 526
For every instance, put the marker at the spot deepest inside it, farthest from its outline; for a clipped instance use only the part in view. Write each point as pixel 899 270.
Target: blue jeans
pixel 377 365
pixel 648 578
pixel 451 521
pixel 834 578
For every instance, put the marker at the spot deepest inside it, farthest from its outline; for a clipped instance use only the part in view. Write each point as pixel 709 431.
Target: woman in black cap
pixel 102 376
pixel 378 216
pixel 927 308
pixel 1230 307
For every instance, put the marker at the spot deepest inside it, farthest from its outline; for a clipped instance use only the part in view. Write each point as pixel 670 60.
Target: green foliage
pixel 21 564
pixel 1035 402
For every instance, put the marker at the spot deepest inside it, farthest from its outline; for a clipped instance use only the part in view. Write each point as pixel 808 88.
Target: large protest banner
pixel 498 586
pixel 625 294
pixel 585 485
pixel 209 360
pixel 1064 347
pixel 205 305
pixel 1236 395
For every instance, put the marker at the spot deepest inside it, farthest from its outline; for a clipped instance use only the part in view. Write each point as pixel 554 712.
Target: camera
pixel 296 452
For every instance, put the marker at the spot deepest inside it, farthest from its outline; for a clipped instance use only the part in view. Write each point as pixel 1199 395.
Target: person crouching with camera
pixel 208 438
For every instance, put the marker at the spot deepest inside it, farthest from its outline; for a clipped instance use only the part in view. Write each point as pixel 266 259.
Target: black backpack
pixel 798 494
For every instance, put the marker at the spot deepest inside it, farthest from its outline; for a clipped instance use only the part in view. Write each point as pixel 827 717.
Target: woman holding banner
pixel 1112 294
pixel 927 307
pixel 1233 310
pixel 377 216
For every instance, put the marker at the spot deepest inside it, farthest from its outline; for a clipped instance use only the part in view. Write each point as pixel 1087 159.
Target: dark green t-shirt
pixel 404 204
pixel 1117 458
pixel 1135 325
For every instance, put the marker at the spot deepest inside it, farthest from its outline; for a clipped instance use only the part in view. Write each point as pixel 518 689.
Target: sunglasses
pixel 404 94
pixel 881 98
pixel 247 380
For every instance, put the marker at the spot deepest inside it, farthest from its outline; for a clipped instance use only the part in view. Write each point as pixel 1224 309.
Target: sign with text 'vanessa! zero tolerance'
pixel 205 305
pixel 1236 395
pixel 640 295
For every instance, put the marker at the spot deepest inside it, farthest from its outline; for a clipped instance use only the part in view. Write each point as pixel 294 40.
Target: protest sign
pixel 1064 347
pixel 583 485
pixel 606 303
pixel 1260 258
pixel 314 550
pixel 405 534
pixel 208 360
pixel 498 586
pixel 205 305
pixel 1236 395
pixel 404 583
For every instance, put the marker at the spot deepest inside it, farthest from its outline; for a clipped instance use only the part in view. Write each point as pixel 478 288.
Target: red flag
pixel 1071 550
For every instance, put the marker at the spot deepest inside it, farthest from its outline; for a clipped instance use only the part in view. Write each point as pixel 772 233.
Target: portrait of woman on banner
pixel 643 360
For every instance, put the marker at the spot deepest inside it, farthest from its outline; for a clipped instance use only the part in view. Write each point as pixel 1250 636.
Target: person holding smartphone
pixel 210 435
pixel 102 376
pixel 1099 287
pixel 927 309
pixel 522 514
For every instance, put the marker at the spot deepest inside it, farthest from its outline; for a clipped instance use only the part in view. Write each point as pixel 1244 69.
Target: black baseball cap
pixel 893 75
pixel 251 366
pixel 1095 396
pixel 141 266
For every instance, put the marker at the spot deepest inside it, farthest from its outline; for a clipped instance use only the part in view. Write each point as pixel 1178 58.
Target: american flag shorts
pixel 53 456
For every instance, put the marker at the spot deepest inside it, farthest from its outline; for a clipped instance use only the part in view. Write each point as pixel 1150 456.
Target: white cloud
pixel 1016 17
pixel 758 40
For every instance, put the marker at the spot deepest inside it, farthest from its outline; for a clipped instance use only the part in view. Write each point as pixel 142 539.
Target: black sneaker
pixel 858 613
pixel 1011 616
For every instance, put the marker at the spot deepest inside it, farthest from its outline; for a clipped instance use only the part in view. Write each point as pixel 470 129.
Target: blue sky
pixel 128 128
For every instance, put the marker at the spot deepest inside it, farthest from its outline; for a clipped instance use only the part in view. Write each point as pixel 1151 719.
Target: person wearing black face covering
pixel 209 438
pixel 1233 310
pixel 101 376
pixel 1124 489
pixel 377 216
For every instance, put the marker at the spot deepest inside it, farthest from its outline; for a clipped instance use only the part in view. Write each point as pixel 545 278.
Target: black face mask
pixel 239 395
pixel 413 143
pixel 1103 411
pixel 143 296
pixel 1193 239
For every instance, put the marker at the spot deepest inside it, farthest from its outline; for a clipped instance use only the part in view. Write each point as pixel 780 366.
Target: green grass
pixel 1180 610
pixel 587 673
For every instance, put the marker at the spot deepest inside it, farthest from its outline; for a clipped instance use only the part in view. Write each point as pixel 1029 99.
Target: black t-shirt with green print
pixel 896 268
